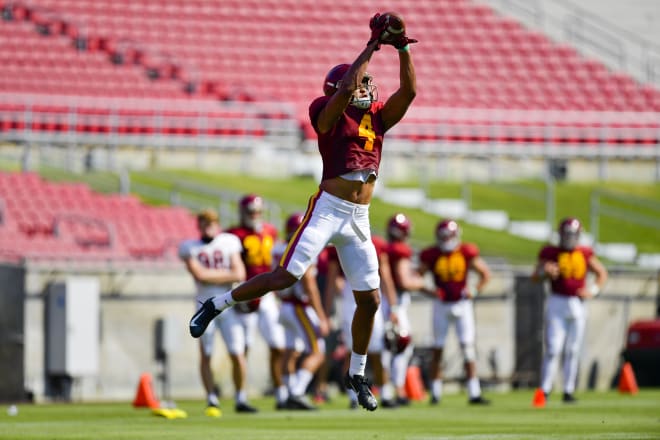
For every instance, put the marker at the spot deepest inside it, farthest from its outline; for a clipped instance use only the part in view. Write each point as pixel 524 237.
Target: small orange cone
pixel 539 398
pixel 627 381
pixel 145 396
pixel 414 384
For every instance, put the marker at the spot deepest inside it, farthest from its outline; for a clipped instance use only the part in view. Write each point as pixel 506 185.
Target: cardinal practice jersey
pixel 450 269
pixel 216 254
pixel 396 251
pixel 354 143
pixel 573 268
pixel 257 255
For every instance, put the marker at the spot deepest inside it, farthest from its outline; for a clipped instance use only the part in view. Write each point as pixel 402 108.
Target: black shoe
pixel 282 405
pixel 434 400
pixel 353 404
pixel 245 408
pixel 569 398
pixel 202 318
pixel 388 403
pixel 300 402
pixel 360 385
pixel 479 401
pixel 403 401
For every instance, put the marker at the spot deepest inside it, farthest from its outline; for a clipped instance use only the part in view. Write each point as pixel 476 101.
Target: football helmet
pixel 569 233
pixel 362 98
pixel 448 235
pixel 292 224
pixel 396 340
pixel 251 208
pixel 398 227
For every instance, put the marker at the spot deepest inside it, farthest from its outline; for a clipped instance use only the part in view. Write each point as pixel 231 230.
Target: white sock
pixel 241 396
pixel 436 389
pixel 358 364
pixel 303 378
pixel 387 391
pixel 223 301
pixel 352 396
pixel 474 388
pixel 281 393
pixel 212 399
pixel 289 380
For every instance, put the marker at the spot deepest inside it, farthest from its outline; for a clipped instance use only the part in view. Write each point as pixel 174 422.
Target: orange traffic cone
pixel 414 384
pixel 627 381
pixel 145 396
pixel 539 399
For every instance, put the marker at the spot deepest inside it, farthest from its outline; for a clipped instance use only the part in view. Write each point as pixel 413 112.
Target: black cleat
pixel 388 403
pixel 300 402
pixel 434 401
pixel 569 398
pixel 402 401
pixel 245 408
pixel 479 401
pixel 202 318
pixel 282 405
pixel 360 385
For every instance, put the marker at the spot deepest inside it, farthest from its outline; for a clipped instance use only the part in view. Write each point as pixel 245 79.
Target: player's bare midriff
pixel 352 191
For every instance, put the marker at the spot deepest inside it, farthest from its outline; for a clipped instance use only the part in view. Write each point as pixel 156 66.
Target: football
pixel 395 25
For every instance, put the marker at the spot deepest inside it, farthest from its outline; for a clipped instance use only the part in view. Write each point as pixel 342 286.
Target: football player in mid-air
pixel 337 283
pixel 350 124
pixel 566 267
pixel 258 238
pixel 214 261
pixel 449 261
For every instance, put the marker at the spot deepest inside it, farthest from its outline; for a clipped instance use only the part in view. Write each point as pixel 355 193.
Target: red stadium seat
pixel 255 50
pixel 70 221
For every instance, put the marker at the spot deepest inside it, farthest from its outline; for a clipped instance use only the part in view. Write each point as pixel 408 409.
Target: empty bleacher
pixel 45 220
pixel 469 58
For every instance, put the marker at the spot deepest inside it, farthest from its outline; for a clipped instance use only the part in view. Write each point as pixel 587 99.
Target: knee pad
pixel 469 352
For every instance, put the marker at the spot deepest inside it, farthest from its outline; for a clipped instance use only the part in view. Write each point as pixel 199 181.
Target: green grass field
pixel 597 415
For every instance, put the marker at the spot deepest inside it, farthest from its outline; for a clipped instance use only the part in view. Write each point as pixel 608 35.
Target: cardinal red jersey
pixel 257 254
pixel 322 261
pixel 354 143
pixel 450 269
pixel 573 268
pixel 397 251
pixel 379 243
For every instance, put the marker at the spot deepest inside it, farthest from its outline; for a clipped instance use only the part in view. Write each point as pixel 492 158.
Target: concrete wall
pixel 132 299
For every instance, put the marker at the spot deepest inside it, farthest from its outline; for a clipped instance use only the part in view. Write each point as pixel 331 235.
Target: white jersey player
pixel 214 261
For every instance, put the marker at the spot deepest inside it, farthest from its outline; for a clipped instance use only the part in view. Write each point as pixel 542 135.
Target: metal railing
pixel 603 205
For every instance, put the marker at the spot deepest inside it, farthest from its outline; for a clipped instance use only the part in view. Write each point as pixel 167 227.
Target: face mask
pixel 448 245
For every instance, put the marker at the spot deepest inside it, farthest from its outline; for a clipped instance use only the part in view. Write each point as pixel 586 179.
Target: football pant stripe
pixel 288 252
pixel 310 334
